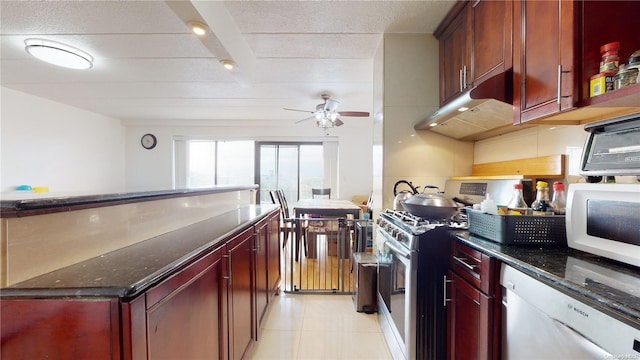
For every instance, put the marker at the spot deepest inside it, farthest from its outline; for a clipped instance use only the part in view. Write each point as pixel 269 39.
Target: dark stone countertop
pixel 129 271
pixel 610 286
pixel 46 203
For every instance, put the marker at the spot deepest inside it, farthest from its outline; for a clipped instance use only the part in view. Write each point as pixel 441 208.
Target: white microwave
pixel 604 219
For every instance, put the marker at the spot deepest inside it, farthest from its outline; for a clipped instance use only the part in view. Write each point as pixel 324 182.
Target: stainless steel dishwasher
pixel 540 322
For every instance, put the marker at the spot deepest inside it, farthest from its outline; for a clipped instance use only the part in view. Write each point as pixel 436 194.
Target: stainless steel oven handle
pixel 445 282
pixel 404 252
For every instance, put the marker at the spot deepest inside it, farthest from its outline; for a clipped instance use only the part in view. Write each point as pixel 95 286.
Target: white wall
pixel 45 143
pixel 411 82
pixel 535 141
pixel 149 169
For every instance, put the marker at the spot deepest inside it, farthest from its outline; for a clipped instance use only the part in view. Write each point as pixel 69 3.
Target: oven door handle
pixel 396 249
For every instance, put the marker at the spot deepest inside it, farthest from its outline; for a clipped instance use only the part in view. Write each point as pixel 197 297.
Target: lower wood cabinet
pixel 267 266
pixel 241 295
pixel 60 329
pixel 473 312
pixel 209 309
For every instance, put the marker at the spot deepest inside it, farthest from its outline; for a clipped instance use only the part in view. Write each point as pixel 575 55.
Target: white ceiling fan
pixel 326 115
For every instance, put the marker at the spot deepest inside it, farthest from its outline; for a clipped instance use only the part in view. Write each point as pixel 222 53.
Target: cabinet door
pixel 491 42
pixel 59 329
pixel 261 274
pixel 544 58
pixel 470 322
pixel 241 308
pixel 454 58
pixel 274 260
pixel 185 313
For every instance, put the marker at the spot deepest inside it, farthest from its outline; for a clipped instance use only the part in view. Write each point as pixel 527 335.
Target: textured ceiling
pixel 149 68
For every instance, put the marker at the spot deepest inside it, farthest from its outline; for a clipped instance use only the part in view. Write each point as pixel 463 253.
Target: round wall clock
pixel 148 141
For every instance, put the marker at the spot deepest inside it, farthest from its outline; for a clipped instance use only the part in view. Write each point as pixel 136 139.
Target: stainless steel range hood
pixel 489 109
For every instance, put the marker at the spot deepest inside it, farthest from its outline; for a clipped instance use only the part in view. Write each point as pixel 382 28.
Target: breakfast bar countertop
pixel 129 271
pixel 28 203
pixel 613 287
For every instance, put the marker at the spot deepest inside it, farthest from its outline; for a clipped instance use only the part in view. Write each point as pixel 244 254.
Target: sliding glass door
pixel 293 167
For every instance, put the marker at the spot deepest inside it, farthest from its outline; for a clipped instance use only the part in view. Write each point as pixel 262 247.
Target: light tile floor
pixel 308 326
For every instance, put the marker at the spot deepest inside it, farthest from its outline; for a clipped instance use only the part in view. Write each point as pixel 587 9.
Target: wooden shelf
pixel 609 105
pixel 628 96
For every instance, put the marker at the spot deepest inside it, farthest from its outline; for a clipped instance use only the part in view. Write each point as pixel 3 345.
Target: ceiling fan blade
pixel 307 111
pixel 338 122
pixel 306 119
pixel 331 105
pixel 353 113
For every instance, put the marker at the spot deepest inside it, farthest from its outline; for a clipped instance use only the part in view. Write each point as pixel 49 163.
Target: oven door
pixel 397 289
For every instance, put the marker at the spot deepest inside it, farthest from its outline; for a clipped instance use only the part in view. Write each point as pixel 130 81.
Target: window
pixel 295 168
pixel 205 163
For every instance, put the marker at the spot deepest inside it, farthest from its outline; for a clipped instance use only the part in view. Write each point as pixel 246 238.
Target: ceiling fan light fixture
pixel 228 64
pixel 59 54
pixel 198 28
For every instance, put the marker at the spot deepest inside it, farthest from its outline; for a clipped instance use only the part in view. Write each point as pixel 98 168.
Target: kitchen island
pixel 196 284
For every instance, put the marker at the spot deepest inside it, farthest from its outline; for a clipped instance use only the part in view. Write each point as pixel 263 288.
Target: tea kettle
pixel 402 195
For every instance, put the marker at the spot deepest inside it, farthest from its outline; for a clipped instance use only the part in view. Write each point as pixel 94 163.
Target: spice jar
pixel 625 77
pixel 610 58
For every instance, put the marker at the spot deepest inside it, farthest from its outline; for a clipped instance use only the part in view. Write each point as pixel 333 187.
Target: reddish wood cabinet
pixel 556 50
pixel 207 308
pixel 241 296
pixel 454 55
pixel 186 314
pixel 473 315
pixel 544 53
pixel 475 44
pixel 267 260
pixel 60 329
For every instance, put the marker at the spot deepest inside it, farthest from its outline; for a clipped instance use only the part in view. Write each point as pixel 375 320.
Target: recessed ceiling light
pixel 59 54
pixel 433 124
pixel 464 108
pixel 198 28
pixel 228 64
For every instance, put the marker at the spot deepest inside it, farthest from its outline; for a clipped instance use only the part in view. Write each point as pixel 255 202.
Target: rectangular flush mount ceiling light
pixel 59 54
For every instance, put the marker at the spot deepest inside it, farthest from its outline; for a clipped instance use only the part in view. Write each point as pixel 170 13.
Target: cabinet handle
pixel 464 77
pixel 560 72
pixel 446 281
pixel 463 262
pixel 228 277
pixel 460 80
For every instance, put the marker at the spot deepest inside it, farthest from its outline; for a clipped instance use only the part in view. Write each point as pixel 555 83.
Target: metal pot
pixel 402 195
pixel 431 205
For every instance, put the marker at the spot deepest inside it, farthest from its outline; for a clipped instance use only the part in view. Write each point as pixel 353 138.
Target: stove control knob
pixel 394 232
pixel 401 237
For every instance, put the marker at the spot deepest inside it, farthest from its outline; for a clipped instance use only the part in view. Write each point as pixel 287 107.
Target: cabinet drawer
pixel 472 265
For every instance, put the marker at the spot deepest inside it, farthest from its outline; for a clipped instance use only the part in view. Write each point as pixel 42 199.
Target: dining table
pixel 322 207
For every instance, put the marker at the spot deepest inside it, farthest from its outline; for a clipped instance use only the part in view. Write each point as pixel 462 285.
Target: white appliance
pixel 543 323
pixel 604 219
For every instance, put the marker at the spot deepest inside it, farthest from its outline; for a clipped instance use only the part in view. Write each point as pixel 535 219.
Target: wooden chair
pixel 319 193
pixel 288 224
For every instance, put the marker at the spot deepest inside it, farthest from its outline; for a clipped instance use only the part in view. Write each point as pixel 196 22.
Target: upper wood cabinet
pixel 556 50
pixel 544 52
pixel 491 50
pixel 454 54
pixel 475 44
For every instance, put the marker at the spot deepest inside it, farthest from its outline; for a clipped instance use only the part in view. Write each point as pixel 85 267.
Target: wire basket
pixel 519 229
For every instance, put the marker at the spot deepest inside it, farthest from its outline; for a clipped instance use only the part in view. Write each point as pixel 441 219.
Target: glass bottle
pixel 517 205
pixel 542 204
pixel 559 200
